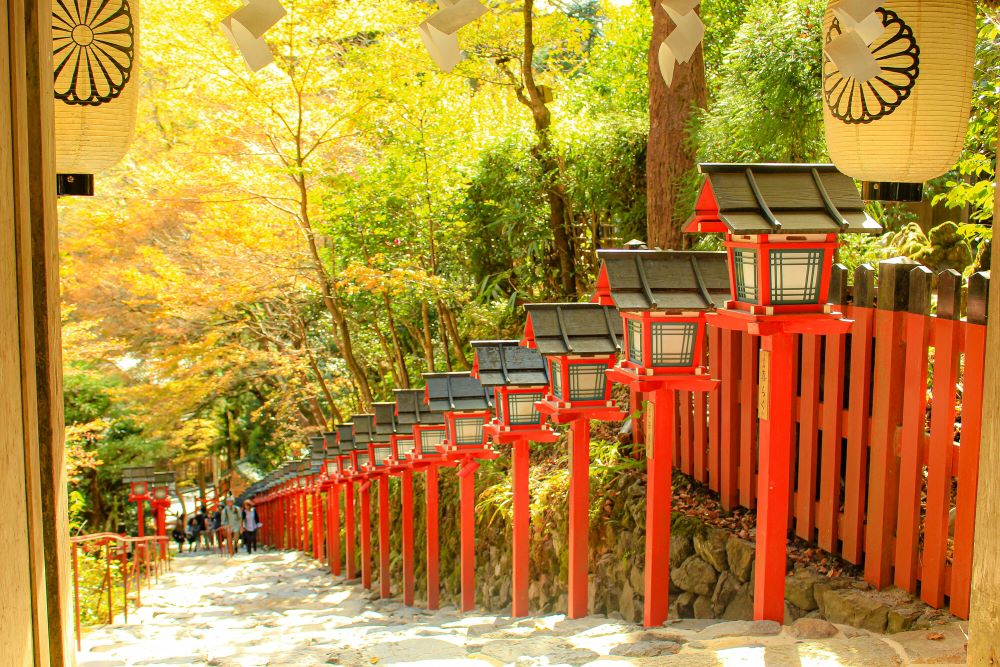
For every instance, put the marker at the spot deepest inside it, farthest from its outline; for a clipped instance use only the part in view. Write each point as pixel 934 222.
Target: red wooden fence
pixel 888 428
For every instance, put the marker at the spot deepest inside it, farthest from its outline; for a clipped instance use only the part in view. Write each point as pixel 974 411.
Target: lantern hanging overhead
pixel 905 122
pixel 94 54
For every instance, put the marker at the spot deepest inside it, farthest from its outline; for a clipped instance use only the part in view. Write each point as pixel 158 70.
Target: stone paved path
pixel 281 609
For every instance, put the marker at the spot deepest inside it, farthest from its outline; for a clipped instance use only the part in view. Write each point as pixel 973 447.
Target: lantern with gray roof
pixel 580 342
pixel 781 223
pixel 466 407
pixel 662 297
pixel 427 425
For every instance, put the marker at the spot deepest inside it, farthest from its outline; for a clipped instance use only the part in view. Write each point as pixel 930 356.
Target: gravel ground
pixel 280 608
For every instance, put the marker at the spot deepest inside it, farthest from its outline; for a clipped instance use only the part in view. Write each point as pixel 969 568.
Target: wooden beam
pixel 984 612
pixel 33 583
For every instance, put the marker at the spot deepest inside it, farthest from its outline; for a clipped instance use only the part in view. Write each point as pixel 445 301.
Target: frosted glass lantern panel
pixel 587 382
pixel 381 454
pixel 429 440
pixel 469 430
pixel 795 276
pixel 404 447
pixel 745 268
pixel 635 342
pixel 362 459
pixel 521 409
pixel 556 375
pixel 673 343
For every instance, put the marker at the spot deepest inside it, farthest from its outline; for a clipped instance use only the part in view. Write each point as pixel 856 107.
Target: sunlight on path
pixel 282 609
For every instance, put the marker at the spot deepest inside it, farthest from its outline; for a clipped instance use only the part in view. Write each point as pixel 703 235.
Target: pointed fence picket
pixel 888 423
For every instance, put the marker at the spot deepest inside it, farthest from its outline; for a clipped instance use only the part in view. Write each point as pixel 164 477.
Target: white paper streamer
pixel 258 16
pixel 439 32
pixel 852 57
pixel 254 50
pixel 683 40
pixel 442 48
pixel 853 11
pixel 869 29
pixel 245 30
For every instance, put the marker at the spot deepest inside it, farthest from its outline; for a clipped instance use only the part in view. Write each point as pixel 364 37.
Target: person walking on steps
pixel 250 526
pixel 232 522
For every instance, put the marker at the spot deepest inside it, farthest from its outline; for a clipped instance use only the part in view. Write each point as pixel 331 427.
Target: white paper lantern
pixel 95 47
pixel 907 124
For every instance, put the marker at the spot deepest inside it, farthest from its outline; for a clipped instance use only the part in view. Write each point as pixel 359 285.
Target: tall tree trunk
pixel 404 374
pixel 390 358
pixel 669 159
pixel 448 317
pixel 341 329
pixel 425 316
pixel 560 222
pixel 327 394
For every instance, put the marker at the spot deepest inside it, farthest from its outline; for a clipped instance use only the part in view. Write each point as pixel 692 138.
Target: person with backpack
pixel 250 526
pixel 232 522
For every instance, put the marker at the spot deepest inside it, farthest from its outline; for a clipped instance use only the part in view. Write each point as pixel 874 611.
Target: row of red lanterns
pixel 645 329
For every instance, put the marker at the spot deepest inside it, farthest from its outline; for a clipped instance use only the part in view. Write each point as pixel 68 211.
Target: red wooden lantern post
pixel 139 479
pixel 361 460
pixel 518 377
pixel 423 455
pixel 331 484
pixel 387 425
pixel 465 404
pixel 662 297
pixel 317 459
pixel 580 342
pixel 379 451
pixel 345 439
pixel 781 224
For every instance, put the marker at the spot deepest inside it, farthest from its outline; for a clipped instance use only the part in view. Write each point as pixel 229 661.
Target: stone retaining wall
pixel 712 571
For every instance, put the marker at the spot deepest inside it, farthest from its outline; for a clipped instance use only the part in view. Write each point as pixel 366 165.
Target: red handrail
pixel 151 557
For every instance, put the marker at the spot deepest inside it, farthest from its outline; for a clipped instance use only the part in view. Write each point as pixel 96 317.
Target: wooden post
pixel 140 518
pixel 887 410
pixel 407 493
pixel 911 463
pixel 350 568
pixel 659 439
pixel 36 615
pixel 366 535
pixel 333 528
pixel 579 517
pixel 433 584
pixel 773 476
pixel 984 618
pixel 467 500
pixel 522 529
pixel 385 589
pixel 319 542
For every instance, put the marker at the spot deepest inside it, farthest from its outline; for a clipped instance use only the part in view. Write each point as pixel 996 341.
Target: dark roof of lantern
pixel 779 199
pixel 412 409
pixel 456 392
pixel 385 418
pixel 575 328
pixel 345 436
pixel 138 474
pixel 508 363
pixel 317 453
pixel 365 430
pixel 666 280
pixel 330 438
